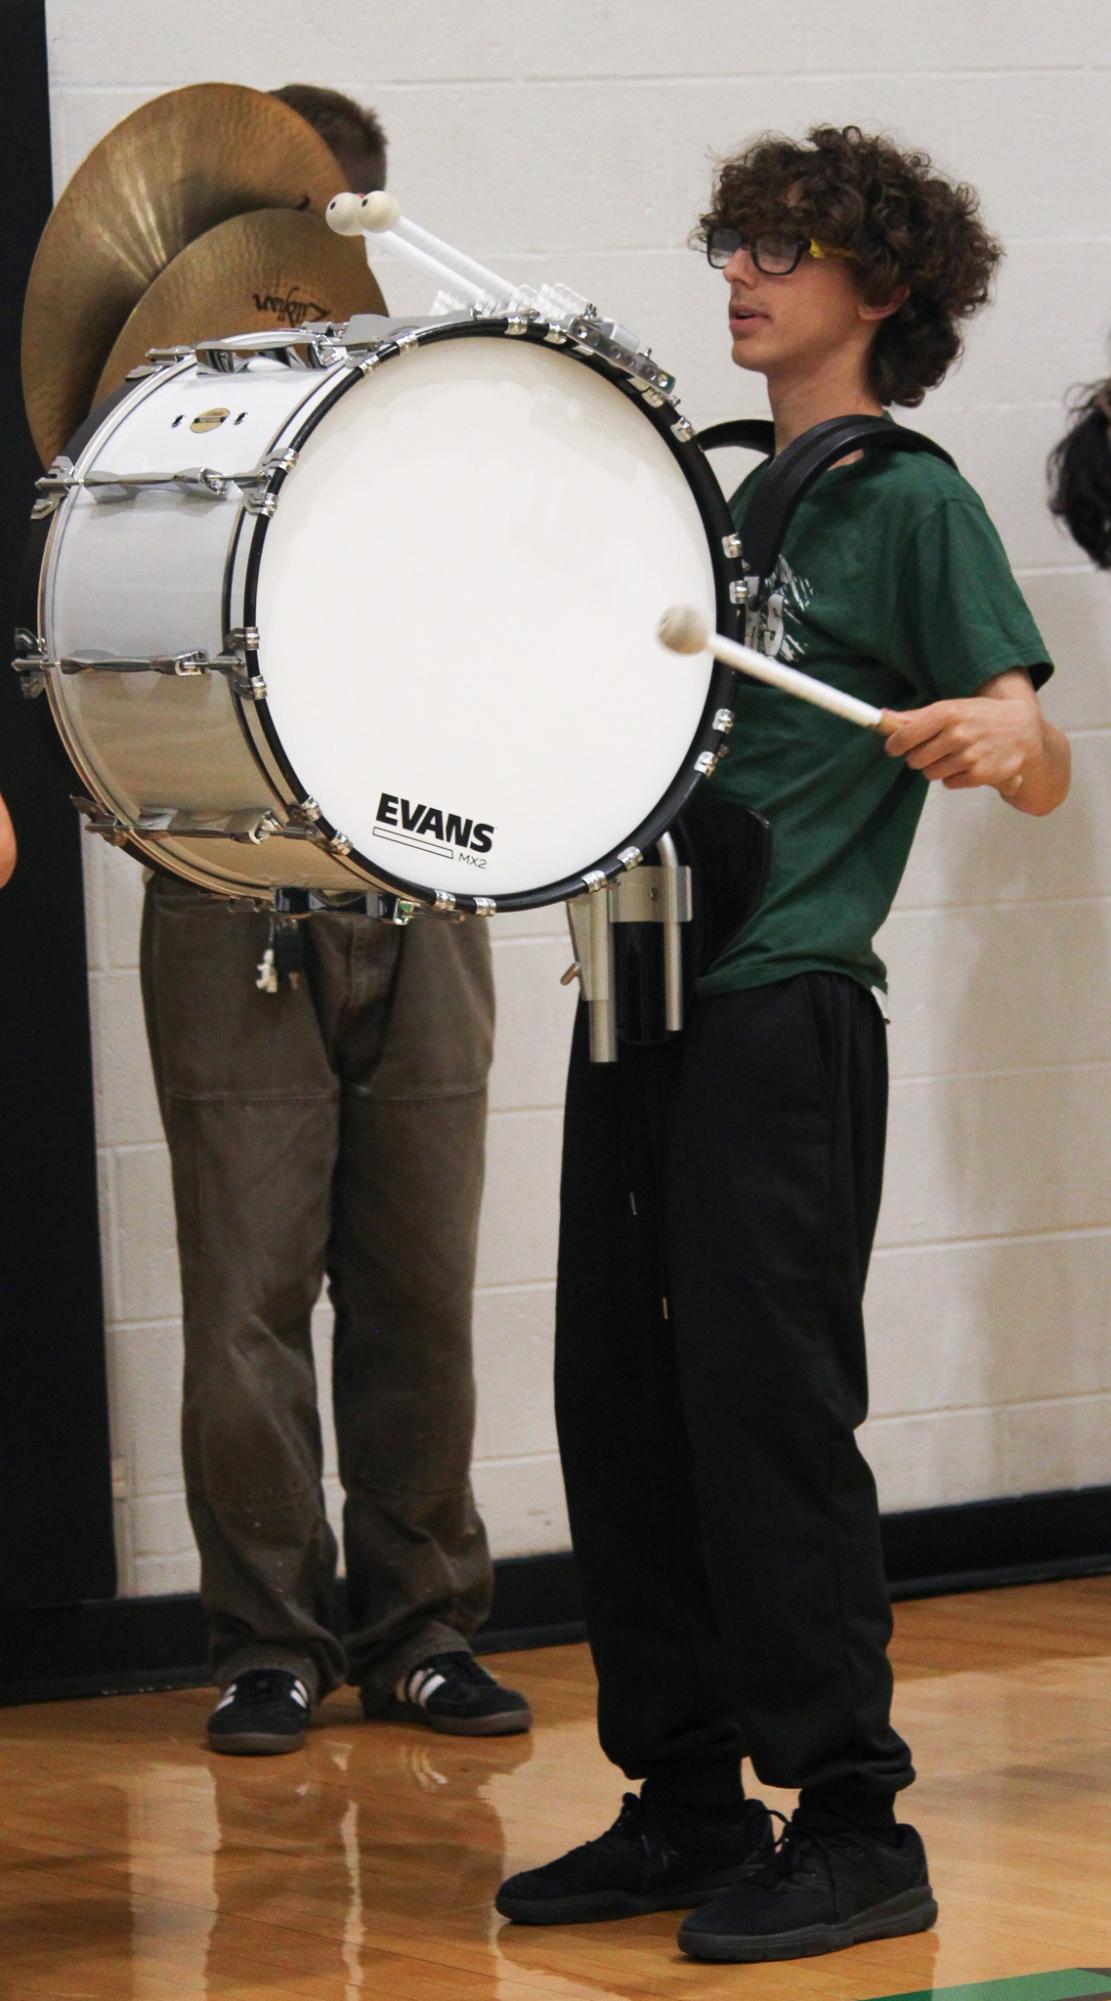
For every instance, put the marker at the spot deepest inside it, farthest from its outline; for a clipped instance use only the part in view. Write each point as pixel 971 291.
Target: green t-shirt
pixel 892 584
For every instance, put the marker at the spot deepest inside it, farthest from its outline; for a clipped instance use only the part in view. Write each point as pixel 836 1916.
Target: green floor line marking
pixel 1073 1984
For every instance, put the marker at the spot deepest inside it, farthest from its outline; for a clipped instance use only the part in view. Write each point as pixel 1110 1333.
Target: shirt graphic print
pixel 777 627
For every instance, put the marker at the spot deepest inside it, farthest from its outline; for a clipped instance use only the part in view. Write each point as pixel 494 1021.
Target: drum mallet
pixel 344 215
pixel 379 215
pixel 685 631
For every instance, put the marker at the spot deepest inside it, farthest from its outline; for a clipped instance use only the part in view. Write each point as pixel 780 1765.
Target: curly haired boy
pixel 720 1191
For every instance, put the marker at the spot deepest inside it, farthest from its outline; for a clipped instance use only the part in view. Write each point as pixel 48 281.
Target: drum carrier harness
pixel 641 943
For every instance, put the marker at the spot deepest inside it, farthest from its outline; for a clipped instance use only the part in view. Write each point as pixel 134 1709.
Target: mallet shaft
pixel 682 629
pixel 789 679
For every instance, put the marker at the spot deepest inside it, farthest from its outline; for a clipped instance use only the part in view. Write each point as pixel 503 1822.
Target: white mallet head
pixel 344 214
pixel 683 630
pixel 379 210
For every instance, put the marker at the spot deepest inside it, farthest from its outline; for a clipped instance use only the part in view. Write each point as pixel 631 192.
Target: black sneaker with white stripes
pixel 451 1693
pixel 263 1711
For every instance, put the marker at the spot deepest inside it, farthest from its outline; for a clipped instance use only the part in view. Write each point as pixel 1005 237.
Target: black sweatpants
pixel 719 1200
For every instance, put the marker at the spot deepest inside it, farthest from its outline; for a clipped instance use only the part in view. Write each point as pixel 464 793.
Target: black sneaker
pixel 823 1887
pixel 450 1692
pixel 261 1712
pixel 641 1864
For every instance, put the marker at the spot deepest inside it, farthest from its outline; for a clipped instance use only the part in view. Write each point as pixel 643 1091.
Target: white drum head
pixel 457 605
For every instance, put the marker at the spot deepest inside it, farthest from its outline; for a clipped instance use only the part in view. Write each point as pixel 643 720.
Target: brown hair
pixel 904 223
pixel 342 124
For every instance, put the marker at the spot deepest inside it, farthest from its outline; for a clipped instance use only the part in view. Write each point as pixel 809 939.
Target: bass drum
pixel 387 622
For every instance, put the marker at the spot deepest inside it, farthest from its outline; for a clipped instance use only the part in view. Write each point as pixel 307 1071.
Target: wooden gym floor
pixel 135 1866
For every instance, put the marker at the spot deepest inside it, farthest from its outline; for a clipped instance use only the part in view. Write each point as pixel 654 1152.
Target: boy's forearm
pixel 998 737
pixel 1045 776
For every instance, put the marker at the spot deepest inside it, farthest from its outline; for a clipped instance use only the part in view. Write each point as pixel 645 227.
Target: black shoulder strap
pixel 794 471
pixel 752 434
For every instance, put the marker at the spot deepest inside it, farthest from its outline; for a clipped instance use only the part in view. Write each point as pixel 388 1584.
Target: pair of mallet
pixel 684 631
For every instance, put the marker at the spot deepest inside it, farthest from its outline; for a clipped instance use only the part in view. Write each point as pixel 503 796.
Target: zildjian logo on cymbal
pixel 290 311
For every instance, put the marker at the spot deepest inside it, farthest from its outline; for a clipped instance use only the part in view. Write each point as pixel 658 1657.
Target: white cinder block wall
pixel 574 140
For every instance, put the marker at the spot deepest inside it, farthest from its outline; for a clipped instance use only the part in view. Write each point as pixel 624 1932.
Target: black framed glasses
pixel 772 252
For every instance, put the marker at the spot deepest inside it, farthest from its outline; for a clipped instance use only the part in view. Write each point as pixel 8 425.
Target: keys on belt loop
pixel 284 957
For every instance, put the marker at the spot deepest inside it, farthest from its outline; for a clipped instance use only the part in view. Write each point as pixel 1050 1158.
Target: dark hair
pixel 1080 473
pixel 904 223
pixel 342 124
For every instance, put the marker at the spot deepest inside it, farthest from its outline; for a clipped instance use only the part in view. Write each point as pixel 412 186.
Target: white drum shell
pixel 145 576
pixel 456 599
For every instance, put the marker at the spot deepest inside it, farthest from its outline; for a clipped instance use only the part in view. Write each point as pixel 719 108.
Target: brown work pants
pixel 335 1129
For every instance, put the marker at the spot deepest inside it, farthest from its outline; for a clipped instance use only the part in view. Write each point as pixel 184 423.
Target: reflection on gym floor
pixel 133 1864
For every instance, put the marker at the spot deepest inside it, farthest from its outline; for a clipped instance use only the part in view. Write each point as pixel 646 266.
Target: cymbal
pixel 271 269
pixel 173 169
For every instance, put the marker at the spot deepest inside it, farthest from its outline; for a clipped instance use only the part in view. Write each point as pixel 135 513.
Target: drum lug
pixel 682 429
pixel 306 813
pixel 594 880
pixel 206 482
pixel 731 547
pixel 630 858
pixel 485 906
pixel 233 663
pixel 444 900
pixel 252 824
pixel 192 661
pixel 738 591
pixel 315 346
pixel 723 721
pixel 52 487
pixel 256 486
pixel 97 821
pixel 267 825
pixel 30 662
pixel 622 349
pixel 241 641
pixel 336 844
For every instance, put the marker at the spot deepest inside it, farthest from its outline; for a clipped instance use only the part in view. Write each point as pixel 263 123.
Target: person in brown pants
pixel 331 1127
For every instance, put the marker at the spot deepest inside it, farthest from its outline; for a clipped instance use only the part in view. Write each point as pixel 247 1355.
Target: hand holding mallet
pixel 685 631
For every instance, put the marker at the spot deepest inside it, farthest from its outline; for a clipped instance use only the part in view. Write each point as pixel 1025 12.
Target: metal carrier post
pixel 656 894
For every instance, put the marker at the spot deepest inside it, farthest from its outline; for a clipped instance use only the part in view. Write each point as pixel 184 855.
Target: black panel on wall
pixel 55 1476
